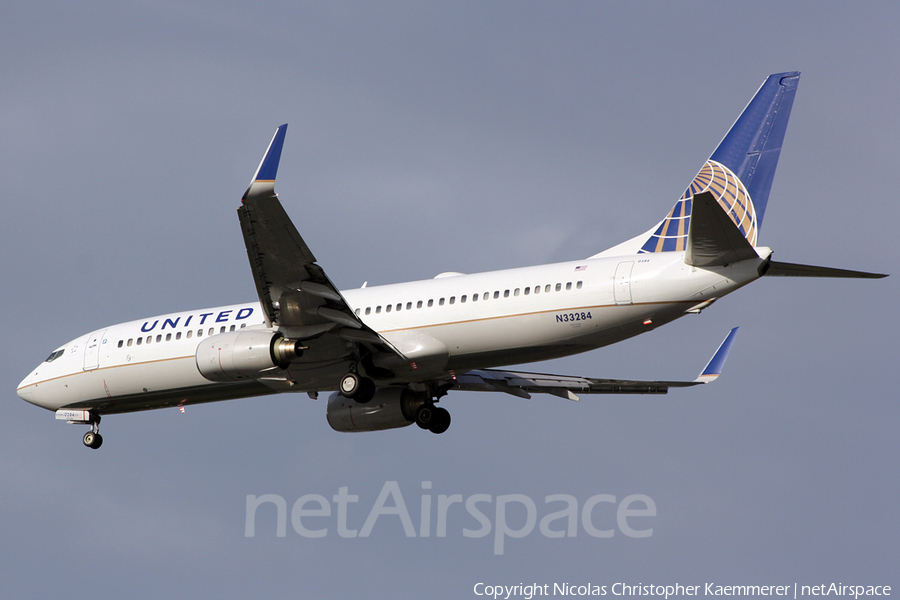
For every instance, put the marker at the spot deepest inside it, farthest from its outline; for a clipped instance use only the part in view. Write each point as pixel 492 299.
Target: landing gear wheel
pixel 350 385
pixel 440 420
pixel 366 390
pixel 361 389
pixel 92 440
pixel 425 416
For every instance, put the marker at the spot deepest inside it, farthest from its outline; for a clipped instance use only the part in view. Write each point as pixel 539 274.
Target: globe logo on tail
pixel 732 196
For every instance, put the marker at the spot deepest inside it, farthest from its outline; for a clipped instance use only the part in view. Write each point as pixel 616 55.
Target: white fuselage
pixel 451 323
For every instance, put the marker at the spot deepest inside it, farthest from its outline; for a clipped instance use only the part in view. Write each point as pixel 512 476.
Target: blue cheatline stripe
pixel 269 167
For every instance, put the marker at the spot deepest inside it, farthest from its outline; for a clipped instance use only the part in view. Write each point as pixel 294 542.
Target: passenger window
pixel 121 343
pixel 149 339
pixel 578 285
pixel 190 333
pixel 399 306
pixel 516 293
pixel 242 326
pixel 368 310
pixel 178 336
pixel 231 328
pixel 140 341
pixel 419 304
pixel 388 308
pixel 129 342
pixel 212 330
pixel 409 306
pixel 441 302
pixel 377 310
pixel 159 338
pixel 569 286
pixel 474 297
pixel 199 333
pixel 452 299
pixel 356 312
pixel 430 303
pixel 221 329
pixel 506 293
pixel 168 337
pixel 496 295
pixel 486 296
pixel 558 287
pixel 537 289
pixel 547 289
pixel 463 299
pixel 527 290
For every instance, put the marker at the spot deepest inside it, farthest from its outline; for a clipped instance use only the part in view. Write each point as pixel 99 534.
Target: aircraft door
pixel 622 283
pixel 92 350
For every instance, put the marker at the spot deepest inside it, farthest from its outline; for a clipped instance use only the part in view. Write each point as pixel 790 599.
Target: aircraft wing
pixel 524 384
pixel 296 294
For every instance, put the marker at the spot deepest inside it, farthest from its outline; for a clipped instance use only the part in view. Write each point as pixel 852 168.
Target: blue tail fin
pixel 740 172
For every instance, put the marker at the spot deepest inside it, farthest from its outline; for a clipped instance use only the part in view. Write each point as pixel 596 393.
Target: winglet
pixel 263 183
pixel 714 366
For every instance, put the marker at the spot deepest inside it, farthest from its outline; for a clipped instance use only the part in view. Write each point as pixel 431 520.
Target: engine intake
pixel 242 355
pixel 391 407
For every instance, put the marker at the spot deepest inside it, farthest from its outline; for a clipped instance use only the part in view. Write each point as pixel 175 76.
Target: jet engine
pixel 244 354
pixel 391 407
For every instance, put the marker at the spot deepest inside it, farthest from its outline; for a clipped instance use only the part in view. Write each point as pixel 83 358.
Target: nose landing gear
pixel 92 439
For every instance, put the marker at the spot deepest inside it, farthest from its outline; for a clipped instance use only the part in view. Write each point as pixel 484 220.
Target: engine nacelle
pixel 391 407
pixel 244 354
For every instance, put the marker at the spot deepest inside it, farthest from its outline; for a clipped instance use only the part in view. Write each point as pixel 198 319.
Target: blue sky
pixel 462 137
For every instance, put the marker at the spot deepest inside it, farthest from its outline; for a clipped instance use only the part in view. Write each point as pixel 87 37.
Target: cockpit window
pixel 56 355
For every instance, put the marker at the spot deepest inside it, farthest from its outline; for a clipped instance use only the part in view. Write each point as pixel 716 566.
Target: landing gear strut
pixel 93 439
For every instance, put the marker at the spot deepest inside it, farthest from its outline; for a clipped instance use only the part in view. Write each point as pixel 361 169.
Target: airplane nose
pixel 26 390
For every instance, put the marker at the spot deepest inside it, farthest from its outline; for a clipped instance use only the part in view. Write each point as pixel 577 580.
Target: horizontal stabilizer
pixel 782 269
pixel 713 238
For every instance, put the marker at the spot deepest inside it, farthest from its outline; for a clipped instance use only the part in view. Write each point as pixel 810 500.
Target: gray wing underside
pixel 523 384
pixel 296 294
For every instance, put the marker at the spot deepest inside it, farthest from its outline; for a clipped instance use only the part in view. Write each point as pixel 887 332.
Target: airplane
pixel 388 354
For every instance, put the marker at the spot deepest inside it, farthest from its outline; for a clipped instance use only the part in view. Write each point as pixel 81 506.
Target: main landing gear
pixel 355 386
pixel 93 439
pixel 433 418
pixel 427 416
